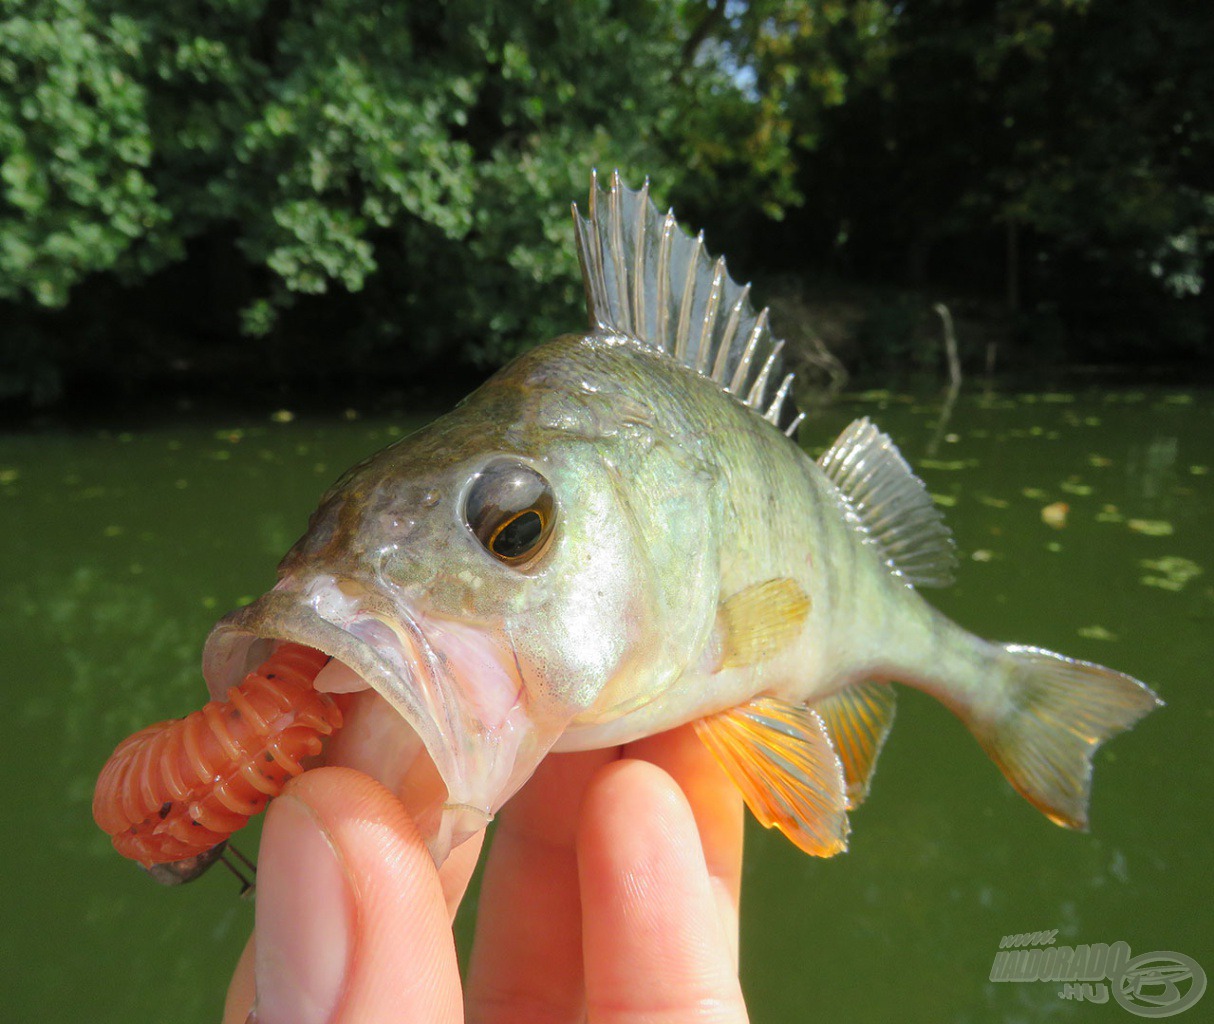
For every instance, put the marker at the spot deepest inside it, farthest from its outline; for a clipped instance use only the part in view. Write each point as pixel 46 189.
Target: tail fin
pixel 1062 710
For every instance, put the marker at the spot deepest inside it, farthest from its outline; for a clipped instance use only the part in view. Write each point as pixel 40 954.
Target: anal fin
pixel 858 720
pixel 781 758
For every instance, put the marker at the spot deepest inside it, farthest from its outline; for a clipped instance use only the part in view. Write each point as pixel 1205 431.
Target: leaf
pixel 1055 515
pixel 1151 527
pixel 1169 573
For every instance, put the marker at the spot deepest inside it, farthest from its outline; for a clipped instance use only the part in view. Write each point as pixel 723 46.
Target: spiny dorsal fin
pixel 760 621
pixel 858 719
pixel 891 505
pixel 780 757
pixel 647 279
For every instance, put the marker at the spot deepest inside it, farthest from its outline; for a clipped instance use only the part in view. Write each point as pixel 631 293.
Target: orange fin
pixel 780 756
pixel 758 622
pixel 1062 711
pixel 858 720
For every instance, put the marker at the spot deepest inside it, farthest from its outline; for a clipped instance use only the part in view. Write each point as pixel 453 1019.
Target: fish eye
pixel 510 510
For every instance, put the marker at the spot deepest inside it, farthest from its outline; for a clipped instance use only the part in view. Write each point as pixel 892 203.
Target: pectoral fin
pixel 758 622
pixel 858 720
pixel 781 758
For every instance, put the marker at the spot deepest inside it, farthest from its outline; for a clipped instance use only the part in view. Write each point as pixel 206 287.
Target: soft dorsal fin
pixel 647 279
pixel 858 720
pixel 891 505
pixel 780 756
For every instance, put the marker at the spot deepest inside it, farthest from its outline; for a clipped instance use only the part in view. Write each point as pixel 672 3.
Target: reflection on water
pixel 120 550
pixel 1151 469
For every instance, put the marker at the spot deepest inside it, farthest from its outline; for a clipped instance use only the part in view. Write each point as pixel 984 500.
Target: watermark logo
pixel 1158 984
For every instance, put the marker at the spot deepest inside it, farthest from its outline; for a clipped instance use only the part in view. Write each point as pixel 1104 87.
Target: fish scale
pixel 616 535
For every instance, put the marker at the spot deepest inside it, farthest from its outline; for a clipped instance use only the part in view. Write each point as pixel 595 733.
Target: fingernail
pixel 305 919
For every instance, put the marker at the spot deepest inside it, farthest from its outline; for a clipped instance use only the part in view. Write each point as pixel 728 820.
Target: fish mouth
pixel 434 710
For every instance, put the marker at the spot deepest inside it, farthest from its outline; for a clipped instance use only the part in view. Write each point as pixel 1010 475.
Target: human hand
pixel 610 895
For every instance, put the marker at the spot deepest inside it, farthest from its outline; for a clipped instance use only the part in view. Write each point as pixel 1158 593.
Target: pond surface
pixel 119 550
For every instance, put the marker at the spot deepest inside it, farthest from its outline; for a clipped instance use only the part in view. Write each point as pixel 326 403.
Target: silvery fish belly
pixel 617 535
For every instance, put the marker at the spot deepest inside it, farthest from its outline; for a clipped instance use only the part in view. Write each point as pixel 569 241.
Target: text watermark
pixel 1161 983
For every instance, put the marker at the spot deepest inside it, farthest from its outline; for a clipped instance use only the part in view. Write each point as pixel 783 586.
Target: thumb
pixel 351 923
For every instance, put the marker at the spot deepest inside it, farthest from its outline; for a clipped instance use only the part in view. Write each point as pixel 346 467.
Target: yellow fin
pixel 757 622
pixel 858 720
pixel 780 757
pixel 1061 711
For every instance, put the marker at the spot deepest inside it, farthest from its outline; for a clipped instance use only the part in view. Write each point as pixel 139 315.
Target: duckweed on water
pixel 1151 527
pixel 1170 572
pixel 948 465
pixel 1055 515
pixel 97 649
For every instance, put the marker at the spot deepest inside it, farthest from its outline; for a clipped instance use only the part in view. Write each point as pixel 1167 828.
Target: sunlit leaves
pixel 75 144
pixel 430 149
pixel 422 157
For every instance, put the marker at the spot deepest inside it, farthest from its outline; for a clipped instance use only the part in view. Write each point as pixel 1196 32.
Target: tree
pixel 1056 152
pixel 420 155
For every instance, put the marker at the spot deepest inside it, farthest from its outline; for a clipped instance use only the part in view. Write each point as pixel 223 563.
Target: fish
pixel 618 534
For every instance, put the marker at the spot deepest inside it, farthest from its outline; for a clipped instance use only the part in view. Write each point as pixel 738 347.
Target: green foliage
pixel 1056 151
pixel 431 149
pixel 357 184
pixel 77 147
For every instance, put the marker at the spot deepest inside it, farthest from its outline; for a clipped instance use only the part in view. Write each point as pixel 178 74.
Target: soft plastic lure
pixel 178 789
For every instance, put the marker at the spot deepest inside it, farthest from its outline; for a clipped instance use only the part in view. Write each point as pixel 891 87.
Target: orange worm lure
pixel 178 789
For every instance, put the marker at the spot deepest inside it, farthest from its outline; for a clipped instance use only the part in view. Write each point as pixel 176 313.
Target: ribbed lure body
pixel 178 788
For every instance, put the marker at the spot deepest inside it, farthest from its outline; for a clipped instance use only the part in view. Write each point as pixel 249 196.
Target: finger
pixel 454 874
pixel 718 808
pixel 654 946
pixel 239 1000
pixel 352 921
pixel 526 963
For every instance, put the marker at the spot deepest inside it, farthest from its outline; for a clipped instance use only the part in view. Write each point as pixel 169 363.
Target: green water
pixel 118 551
